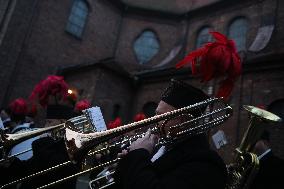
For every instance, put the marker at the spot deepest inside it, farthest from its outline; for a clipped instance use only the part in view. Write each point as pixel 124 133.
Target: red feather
pixel 19 107
pixel 114 124
pixel 192 57
pixel 82 105
pixel 52 86
pixel 225 89
pixel 217 59
pixel 139 117
pixel 219 37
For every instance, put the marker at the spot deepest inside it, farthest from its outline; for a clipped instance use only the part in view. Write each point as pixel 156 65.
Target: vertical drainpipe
pixel 15 70
pixel 186 35
pixel 119 31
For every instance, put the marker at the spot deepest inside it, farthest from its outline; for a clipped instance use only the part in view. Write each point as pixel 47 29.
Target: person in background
pixel 18 112
pixel 51 93
pixel 6 120
pixel 49 152
pixel 270 166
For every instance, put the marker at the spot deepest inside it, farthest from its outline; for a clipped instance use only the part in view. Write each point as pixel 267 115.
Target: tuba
pixel 246 164
pixel 82 148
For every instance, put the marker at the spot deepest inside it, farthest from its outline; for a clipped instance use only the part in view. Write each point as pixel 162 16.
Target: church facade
pixel 120 54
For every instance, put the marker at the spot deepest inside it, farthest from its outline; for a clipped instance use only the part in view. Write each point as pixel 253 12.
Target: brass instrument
pixel 7 141
pixel 80 145
pixel 246 163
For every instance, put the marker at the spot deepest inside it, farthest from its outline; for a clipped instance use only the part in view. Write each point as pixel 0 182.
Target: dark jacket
pixel 270 173
pixel 47 153
pixel 191 164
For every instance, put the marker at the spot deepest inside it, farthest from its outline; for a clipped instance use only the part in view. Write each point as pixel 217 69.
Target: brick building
pixel 120 54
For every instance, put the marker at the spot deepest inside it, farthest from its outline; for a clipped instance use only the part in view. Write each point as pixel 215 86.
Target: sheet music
pixel 219 139
pixel 97 118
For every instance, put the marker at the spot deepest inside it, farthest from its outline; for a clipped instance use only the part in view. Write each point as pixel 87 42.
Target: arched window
pixel 238 32
pixel 146 46
pixel 149 109
pixel 77 18
pixel 203 37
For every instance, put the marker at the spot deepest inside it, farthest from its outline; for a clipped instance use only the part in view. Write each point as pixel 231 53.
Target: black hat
pixel 59 112
pixel 180 94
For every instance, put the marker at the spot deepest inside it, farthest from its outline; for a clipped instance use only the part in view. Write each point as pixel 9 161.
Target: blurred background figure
pixel 269 173
pixel 52 94
pixel 18 111
pixel 82 105
pixel 6 120
pixel 139 117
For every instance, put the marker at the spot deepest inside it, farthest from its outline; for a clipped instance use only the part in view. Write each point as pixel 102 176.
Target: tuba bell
pixel 246 164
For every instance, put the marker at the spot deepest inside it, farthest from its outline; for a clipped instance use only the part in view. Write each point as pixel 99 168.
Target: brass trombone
pixel 80 145
pixel 246 164
pixel 7 141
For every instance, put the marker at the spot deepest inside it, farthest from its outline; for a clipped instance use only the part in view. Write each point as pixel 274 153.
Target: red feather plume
pixel 114 124
pixel 19 107
pixel 216 59
pixel 82 105
pixel 51 86
pixel 139 117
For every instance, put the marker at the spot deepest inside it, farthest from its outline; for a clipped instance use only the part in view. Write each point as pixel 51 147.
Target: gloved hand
pixel 147 142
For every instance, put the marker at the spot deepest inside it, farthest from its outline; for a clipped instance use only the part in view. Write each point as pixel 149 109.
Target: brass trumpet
pixel 80 145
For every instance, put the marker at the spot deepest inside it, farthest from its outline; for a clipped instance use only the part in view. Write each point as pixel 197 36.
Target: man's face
pixel 260 147
pixel 163 107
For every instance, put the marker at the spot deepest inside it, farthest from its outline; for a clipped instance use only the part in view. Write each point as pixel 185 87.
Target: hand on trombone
pixel 147 142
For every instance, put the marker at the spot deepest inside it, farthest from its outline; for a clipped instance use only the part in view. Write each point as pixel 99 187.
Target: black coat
pixel 270 173
pixel 47 153
pixel 189 165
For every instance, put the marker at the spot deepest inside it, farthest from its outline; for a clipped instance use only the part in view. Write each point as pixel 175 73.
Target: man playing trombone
pixel 187 164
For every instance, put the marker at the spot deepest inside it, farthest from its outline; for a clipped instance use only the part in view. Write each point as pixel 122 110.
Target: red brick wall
pixel 48 46
pixel 168 33
pixel 36 44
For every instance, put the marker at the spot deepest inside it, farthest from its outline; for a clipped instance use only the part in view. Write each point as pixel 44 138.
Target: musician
pixel 16 167
pixel 6 120
pixel 49 152
pixel 188 164
pixel 18 111
pixel 269 165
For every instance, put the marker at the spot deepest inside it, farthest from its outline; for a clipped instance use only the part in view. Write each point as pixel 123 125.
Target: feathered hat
pixel 82 105
pixel 51 86
pixel 114 124
pixel 18 109
pixel 139 117
pixel 216 59
pixel 180 94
